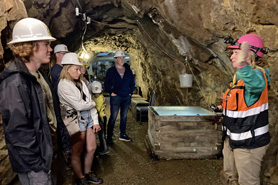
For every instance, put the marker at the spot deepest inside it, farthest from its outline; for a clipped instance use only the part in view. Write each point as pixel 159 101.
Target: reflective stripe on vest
pixel 243 114
pixel 246 135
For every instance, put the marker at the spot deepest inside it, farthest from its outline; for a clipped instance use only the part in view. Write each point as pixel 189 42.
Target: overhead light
pixel 82 55
pixel 88 20
pixel 77 11
pixel 84 17
pixel 86 56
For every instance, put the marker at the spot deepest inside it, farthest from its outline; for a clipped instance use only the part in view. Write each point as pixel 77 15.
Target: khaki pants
pixel 229 165
pixel 244 162
pixel 248 164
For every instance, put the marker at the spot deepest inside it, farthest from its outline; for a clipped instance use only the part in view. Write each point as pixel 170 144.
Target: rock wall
pixel 6 173
pixel 10 12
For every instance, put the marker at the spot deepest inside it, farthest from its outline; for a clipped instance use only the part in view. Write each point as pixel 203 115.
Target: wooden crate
pixel 136 102
pixel 184 137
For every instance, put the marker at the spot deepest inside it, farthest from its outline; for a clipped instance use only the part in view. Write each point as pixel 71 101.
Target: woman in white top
pixel 75 98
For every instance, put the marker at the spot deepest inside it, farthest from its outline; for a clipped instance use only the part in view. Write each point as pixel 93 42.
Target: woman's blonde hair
pixel 65 75
pixel 25 50
pixel 254 59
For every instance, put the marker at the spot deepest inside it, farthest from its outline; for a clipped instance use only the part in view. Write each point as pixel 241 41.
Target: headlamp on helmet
pixel 255 42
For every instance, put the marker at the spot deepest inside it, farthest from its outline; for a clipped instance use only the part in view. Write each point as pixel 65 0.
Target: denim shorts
pixel 86 120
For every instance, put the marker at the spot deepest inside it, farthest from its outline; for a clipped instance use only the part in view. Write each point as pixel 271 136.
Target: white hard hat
pixel 96 87
pixel 71 59
pixel 30 29
pixel 60 48
pixel 119 53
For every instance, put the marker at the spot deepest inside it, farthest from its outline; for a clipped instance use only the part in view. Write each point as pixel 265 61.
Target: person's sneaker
pixel 124 137
pixel 104 152
pixel 92 178
pixel 81 181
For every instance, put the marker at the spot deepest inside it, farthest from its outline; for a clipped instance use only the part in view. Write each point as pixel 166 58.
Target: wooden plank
pixel 149 147
pixel 153 120
pixel 152 136
pixel 188 133
pixel 186 126
pixel 204 139
pixel 189 118
pixel 178 137
pixel 199 149
pixel 186 155
pixel 186 141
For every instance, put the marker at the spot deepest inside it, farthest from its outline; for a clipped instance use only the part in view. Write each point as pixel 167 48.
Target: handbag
pixel 70 120
pixel 72 125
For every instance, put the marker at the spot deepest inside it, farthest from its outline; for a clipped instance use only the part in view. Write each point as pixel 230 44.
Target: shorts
pixel 86 120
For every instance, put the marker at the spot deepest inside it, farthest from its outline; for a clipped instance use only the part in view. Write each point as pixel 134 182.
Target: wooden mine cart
pixel 183 132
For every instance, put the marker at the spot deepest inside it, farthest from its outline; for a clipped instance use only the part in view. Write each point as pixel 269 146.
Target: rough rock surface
pixel 6 173
pixel 174 35
pixel 10 11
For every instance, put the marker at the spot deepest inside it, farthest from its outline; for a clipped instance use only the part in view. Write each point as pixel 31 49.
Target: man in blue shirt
pixel 59 51
pixel 119 83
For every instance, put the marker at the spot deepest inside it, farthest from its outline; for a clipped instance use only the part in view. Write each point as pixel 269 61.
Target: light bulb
pixel 86 56
pixel 82 55
pixel 76 11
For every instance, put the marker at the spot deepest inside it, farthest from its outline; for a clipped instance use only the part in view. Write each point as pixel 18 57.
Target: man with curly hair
pixel 31 119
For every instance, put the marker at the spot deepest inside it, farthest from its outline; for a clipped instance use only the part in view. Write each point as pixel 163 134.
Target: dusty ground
pixel 128 163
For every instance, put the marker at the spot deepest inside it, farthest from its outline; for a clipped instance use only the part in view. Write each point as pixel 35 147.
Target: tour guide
pixel 245 110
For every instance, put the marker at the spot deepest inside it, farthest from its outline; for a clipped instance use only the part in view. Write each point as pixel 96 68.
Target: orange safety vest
pixel 246 126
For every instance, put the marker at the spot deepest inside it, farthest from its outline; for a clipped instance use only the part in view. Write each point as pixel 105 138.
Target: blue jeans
pixel 117 103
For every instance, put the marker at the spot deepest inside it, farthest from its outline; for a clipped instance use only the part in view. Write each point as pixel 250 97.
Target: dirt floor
pixel 129 163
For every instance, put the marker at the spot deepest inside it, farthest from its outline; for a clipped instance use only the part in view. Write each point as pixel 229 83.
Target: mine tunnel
pixel 166 43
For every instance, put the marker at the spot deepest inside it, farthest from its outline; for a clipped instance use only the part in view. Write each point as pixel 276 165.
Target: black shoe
pixel 81 181
pixel 124 137
pixel 92 178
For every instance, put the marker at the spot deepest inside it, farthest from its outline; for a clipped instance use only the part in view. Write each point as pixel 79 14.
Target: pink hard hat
pixel 256 44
